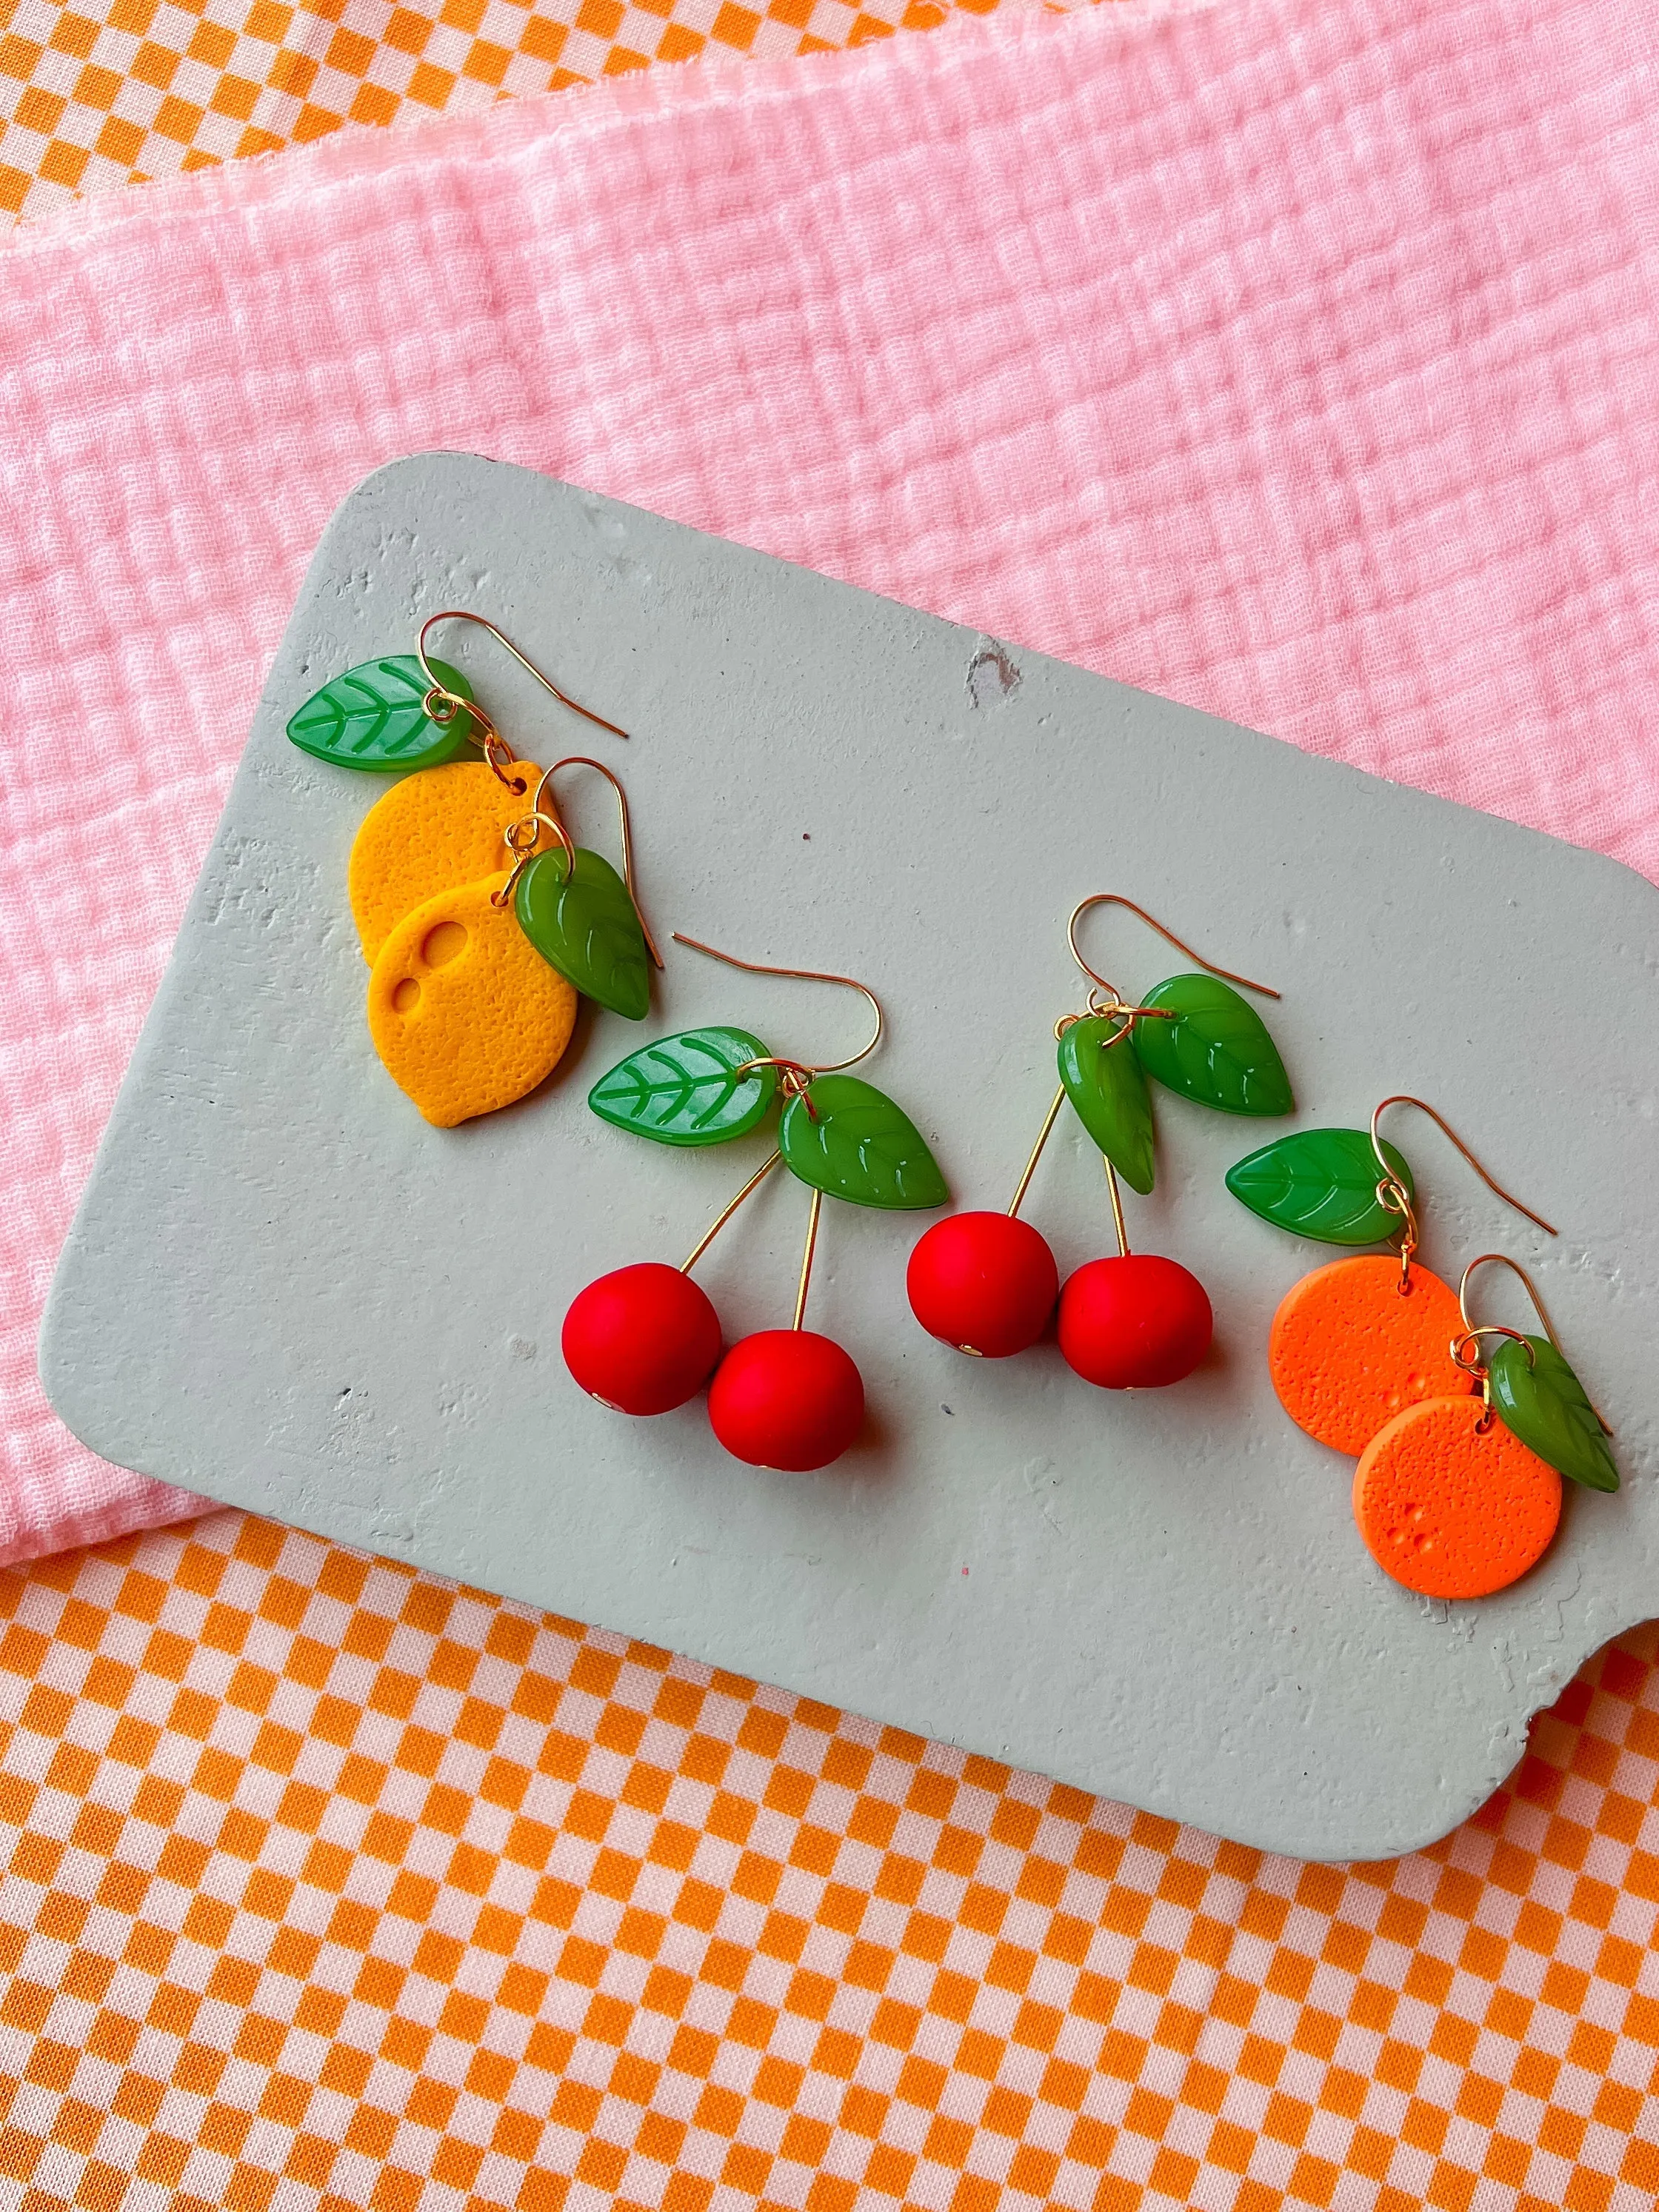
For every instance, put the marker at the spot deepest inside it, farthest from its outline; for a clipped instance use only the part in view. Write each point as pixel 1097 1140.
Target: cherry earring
pixel 646 1338
pixel 987 1283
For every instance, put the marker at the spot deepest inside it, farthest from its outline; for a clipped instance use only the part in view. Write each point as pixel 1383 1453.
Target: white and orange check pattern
pixel 135 88
pixel 330 1887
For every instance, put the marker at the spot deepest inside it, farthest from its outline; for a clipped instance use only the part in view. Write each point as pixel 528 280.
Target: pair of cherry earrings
pixel 987 1284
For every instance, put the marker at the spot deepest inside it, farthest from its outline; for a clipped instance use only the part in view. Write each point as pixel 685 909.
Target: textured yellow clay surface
pixel 464 1010
pixel 1347 1352
pixel 431 831
pixel 1451 1512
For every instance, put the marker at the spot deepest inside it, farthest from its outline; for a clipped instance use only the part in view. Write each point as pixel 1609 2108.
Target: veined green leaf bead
pixel 373 718
pixel 584 924
pixel 1322 1183
pixel 1216 1051
pixel 1104 1082
pixel 1541 1402
pixel 849 1140
pixel 685 1090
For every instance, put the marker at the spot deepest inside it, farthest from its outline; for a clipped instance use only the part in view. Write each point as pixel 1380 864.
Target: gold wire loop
pixel 440 698
pixel 1503 1259
pixel 1465 1349
pixel 1116 898
pixel 547 810
pixel 808 1068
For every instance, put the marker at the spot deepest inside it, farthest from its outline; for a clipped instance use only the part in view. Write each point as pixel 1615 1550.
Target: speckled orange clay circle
pixel 464 1010
pixel 431 831
pixel 1347 1352
pixel 1450 1511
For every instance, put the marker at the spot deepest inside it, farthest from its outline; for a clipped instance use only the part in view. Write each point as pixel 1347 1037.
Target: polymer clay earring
pixel 987 1283
pixel 1458 1496
pixel 480 918
pixel 1355 1343
pixel 646 1338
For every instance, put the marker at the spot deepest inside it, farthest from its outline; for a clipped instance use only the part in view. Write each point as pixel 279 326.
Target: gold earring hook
pixel 1116 898
pixel 1503 1259
pixel 443 704
pixel 802 975
pixel 545 811
pixel 1404 1098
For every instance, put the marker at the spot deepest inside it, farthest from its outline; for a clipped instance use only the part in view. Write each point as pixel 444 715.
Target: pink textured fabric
pixel 1294 357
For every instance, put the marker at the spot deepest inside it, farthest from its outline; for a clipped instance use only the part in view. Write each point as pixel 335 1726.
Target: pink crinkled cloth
pixel 1298 358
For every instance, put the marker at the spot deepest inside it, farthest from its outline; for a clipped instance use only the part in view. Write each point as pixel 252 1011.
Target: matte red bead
pixel 984 1282
pixel 1134 1323
pixel 643 1340
pixel 787 1398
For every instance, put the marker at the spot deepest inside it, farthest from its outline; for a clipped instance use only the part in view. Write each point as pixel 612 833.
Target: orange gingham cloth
pixel 137 88
pixel 330 1884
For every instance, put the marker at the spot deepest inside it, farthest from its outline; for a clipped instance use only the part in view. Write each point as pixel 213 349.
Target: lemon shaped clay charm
pixel 464 1010
pixel 429 833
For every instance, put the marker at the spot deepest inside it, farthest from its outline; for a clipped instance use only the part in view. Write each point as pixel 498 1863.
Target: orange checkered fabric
pixel 330 1884
pixel 140 88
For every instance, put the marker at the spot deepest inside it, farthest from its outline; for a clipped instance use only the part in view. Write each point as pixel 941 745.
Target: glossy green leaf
pixel 1320 1183
pixel 585 925
pixel 372 717
pixel 1104 1082
pixel 848 1139
pixel 685 1090
pixel 1543 1403
pixel 1216 1051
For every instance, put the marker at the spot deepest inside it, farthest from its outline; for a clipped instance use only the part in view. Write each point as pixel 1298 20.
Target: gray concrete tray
pixel 286 1290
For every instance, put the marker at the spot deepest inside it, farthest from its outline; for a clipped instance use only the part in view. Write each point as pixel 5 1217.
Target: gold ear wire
pixel 545 812
pixel 442 705
pixel 1392 1194
pixel 1116 898
pixel 802 975
pixel 1473 1334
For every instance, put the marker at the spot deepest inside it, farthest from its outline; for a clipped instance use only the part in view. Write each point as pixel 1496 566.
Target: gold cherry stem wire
pixel 807 1259
pixel 726 1211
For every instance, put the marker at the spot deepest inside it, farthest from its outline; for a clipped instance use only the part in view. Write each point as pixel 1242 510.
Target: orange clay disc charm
pixel 464 1010
pixel 1348 1351
pixel 429 833
pixel 1452 1503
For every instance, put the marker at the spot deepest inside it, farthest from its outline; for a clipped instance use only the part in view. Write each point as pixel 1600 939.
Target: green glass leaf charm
pixel 1104 1082
pixel 584 924
pixel 372 717
pixel 1217 1050
pixel 1320 1183
pixel 848 1139
pixel 1543 1403
pixel 684 1090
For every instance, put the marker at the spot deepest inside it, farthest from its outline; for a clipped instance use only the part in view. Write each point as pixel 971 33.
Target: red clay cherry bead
pixel 985 1282
pixel 787 1398
pixel 1134 1323
pixel 643 1340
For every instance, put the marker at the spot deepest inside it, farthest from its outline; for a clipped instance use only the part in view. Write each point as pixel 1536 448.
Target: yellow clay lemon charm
pixel 464 1010
pixel 427 833
pixel 1347 1352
